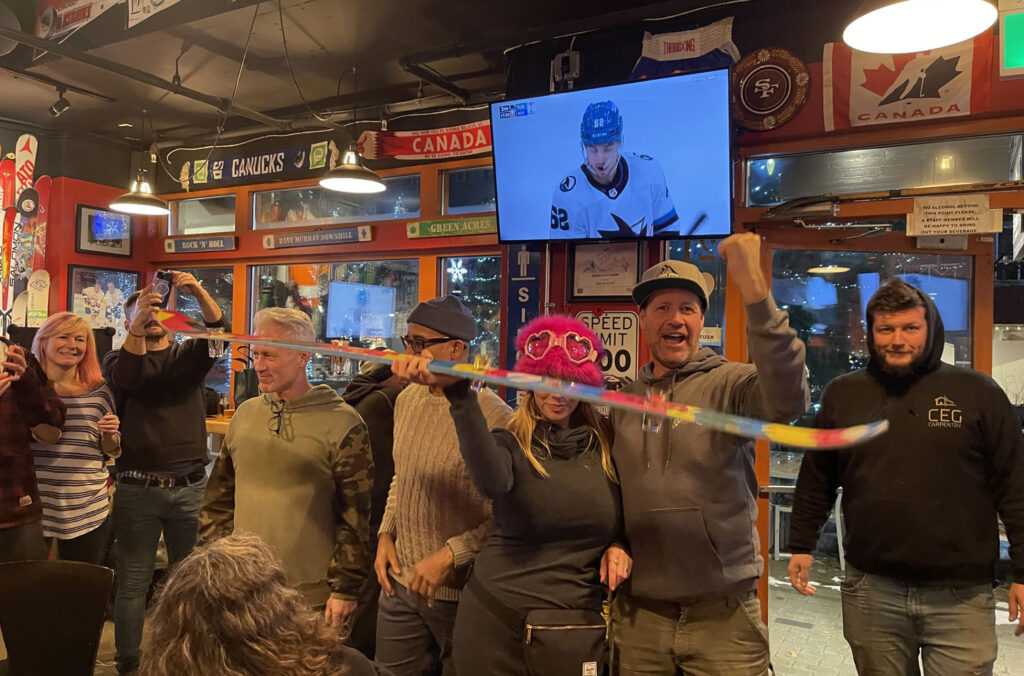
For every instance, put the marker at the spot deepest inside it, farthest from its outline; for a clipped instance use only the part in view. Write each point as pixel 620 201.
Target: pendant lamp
pixel 351 176
pixel 910 26
pixel 140 198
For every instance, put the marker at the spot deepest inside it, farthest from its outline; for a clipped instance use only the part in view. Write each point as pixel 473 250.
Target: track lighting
pixel 61 105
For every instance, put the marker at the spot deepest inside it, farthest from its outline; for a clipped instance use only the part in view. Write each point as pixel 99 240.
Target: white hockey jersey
pixel 635 204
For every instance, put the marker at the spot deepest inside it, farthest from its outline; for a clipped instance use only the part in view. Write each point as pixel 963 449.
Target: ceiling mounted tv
pixel 649 158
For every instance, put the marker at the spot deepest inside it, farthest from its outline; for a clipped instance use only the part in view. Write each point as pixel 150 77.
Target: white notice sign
pixel 953 215
pixel 618 331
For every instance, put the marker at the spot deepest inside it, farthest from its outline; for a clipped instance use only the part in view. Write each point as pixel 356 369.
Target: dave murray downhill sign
pixel 863 89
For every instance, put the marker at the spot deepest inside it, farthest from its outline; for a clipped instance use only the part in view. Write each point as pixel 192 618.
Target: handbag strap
pixel 513 619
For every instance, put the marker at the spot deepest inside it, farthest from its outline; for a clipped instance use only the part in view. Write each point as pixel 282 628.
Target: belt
pixel 143 479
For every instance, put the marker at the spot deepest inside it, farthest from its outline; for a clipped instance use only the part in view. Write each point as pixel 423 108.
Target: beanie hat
pixel 555 361
pixel 446 315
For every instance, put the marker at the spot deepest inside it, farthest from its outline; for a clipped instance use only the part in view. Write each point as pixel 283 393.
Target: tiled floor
pixel 807 632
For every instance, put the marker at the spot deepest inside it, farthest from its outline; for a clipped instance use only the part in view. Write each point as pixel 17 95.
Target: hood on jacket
pixel 703 360
pixel 320 395
pixel 929 361
pixel 365 384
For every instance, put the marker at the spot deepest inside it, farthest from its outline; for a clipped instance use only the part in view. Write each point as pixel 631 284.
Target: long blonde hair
pixel 88 370
pixel 523 426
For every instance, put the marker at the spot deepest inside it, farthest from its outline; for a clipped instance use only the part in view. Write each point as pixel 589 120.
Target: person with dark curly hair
pixel 226 610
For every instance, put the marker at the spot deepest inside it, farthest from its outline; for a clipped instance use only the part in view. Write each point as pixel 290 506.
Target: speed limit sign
pixel 619 331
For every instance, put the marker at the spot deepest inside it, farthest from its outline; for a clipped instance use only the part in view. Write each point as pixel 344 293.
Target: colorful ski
pixel 24 163
pixel 28 210
pixel 38 297
pixel 788 435
pixel 19 314
pixel 10 216
pixel 7 168
pixel 42 187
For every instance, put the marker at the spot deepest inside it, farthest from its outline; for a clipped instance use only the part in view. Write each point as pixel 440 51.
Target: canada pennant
pixel 788 435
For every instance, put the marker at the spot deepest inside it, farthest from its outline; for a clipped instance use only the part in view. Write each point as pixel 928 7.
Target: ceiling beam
pixel 143 77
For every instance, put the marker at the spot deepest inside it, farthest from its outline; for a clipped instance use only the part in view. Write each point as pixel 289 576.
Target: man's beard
pixel 902 370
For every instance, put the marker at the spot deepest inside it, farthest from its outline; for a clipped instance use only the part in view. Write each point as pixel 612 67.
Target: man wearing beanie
pixel 372 394
pixel 435 519
pixel 689 492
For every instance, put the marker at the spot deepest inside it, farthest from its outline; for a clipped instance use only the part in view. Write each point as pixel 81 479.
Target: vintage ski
pixel 19 313
pixel 38 297
pixel 28 209
pixel 24 163
pixel 10 216
pixel 788 435
pixel 42 187
pixel 7 168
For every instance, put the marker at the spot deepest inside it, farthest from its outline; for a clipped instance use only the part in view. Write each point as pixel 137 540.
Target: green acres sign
pixel 484 225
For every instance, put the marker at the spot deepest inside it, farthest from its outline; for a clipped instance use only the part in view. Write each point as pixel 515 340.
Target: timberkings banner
pixel 863 89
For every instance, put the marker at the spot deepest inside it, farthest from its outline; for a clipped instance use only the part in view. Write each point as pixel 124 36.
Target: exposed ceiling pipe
pixel 427 73
pixel 142 76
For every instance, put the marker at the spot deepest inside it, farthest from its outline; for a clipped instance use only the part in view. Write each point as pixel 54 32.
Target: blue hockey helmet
pixel 601 123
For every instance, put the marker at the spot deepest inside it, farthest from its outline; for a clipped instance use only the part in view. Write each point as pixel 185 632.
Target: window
pixel 469 190
pixel 202 215
pixel 366 302
pixel 773 180
pixel 477 283
pixel 704 254
pixel 218 282
pixel 316 206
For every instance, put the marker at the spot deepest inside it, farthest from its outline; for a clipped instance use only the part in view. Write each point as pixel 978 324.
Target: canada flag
pixel 861 89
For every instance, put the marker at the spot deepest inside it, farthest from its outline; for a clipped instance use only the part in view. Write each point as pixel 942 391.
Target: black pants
pixel 22 543
pixel 91 547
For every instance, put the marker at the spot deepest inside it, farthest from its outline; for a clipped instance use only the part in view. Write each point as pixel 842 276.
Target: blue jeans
pixel 412 639
pixel 141 513
pixel 889 624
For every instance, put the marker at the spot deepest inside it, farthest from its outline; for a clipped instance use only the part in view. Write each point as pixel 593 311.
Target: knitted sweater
pixel 432 500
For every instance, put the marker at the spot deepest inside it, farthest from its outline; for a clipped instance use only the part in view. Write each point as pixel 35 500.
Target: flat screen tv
pixel 363 311
pixel 109 225
pixel 648 158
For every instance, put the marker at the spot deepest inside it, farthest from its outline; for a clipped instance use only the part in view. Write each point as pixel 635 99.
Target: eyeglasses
pixel 576 347
pixel 419 344
pixel 274 424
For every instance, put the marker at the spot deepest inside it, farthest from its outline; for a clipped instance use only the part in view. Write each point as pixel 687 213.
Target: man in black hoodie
pixel 921 502
pixel 372 393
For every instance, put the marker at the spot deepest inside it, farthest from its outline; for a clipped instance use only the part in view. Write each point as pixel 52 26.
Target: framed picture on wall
pixel 604 269
pixel 98 295
pixel 98 231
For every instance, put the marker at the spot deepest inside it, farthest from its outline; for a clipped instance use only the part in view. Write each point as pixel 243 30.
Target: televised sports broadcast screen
pixel 364 311
pixel 108 225
pixel 643 159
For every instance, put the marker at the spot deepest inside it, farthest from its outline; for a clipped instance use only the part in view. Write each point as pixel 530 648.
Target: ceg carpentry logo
pixel 945 413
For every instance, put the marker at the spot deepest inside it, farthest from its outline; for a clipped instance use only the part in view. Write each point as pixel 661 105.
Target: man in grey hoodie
pixel 689 492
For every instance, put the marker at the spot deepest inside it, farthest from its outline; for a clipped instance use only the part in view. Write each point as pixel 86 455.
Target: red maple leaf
pixel 878 80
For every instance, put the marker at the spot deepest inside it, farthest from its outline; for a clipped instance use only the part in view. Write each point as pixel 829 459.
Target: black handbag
pixel 556 641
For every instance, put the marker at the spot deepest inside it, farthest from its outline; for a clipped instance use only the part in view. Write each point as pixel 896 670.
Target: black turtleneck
pixel 920 503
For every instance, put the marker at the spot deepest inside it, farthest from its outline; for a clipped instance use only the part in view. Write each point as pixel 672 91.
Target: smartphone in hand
pixel 162 283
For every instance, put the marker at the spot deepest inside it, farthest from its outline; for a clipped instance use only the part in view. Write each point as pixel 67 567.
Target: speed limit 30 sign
pixel 619 331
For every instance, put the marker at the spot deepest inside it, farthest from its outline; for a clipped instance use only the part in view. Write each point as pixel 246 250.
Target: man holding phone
pixel 27 401
pixel 161 473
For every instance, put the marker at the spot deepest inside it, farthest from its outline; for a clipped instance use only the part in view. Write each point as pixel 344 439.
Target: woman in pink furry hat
pixel 533 604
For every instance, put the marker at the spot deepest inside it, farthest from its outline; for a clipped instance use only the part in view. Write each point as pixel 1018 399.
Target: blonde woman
pixel 533 604
pixel 71 472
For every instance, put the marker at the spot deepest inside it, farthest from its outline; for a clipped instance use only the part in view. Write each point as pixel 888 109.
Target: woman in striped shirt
pixel 72 473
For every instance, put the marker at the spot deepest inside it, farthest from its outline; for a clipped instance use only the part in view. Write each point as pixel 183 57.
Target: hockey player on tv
pixel 611 195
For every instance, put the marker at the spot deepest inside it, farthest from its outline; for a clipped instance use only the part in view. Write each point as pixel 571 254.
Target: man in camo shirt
pixel 296 469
